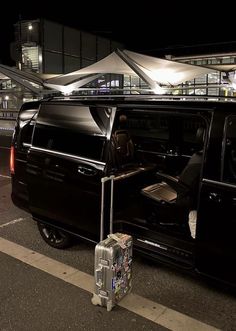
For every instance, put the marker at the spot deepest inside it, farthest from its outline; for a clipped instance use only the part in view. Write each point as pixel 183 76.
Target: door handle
pixel 215 197
pixel 87 171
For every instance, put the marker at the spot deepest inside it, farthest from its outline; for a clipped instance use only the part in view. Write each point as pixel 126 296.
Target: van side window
pixel 25 135
pixel 162 133
pixel 26 122
pixel 71 129
pixel 229 161
pixel 150 132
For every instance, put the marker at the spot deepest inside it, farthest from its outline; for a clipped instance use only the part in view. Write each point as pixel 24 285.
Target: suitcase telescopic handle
pixel 103 180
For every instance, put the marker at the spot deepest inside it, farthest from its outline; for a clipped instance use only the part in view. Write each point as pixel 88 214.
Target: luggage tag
pixel 119 240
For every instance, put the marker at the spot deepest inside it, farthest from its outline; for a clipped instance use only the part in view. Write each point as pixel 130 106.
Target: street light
pixel 20 43
pixel 5 102
pixel 30 28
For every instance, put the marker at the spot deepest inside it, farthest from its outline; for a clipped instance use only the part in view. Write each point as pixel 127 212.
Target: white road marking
pixel 6 129
pixel 4 176
pixel 11 222
pixel 148 309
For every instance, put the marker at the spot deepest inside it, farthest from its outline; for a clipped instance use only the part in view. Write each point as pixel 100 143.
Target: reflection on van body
pixel 175 175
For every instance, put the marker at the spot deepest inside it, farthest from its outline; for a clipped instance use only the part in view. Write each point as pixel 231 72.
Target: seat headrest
pixel 200 135
pixel 122 121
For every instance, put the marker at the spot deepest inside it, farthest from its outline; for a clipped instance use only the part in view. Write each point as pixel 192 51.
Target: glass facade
pixel 51 48
pixel 213 84
pixel 46 47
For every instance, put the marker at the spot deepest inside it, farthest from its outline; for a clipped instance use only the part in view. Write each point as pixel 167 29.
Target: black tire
pixel 54 237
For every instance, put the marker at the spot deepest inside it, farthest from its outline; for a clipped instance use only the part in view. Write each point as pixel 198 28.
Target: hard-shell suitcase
pixel 113 261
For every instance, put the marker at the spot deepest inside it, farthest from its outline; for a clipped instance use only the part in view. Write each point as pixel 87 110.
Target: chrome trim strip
pixel 97 164
pixel 20 160
pixel 163 154
pixel 215 182
pixel 152 244
pixel 27 145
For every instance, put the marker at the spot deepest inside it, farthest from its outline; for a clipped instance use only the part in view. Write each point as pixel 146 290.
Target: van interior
pixel 157 160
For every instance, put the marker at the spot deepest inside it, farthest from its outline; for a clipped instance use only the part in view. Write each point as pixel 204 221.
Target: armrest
pixel 173 182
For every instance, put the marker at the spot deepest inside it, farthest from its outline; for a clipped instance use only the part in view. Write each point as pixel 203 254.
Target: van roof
pixel 202 102
pixel 152 97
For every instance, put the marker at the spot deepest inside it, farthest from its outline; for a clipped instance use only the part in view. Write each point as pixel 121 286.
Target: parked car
pixel 174 163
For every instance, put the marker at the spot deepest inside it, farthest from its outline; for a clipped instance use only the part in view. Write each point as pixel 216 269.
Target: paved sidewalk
pixel 34 300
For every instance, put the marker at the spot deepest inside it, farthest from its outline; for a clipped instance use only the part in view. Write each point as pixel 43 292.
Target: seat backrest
pixel 190 175
pixel 123 147
pixel 200 137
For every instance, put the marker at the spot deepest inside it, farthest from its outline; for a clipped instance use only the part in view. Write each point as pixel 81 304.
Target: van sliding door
pixel 66 163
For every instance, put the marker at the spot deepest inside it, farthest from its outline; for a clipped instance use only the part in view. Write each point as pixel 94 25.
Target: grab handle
pixel 103 180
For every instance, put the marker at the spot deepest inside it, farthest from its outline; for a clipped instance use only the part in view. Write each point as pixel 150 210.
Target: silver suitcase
pixel 113 262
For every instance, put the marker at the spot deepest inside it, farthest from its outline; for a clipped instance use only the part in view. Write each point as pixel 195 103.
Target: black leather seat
pixel 123 158
pixel 174 197
pixel 122 148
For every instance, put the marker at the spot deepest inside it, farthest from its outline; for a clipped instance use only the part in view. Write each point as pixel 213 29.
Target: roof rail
pixel 148 97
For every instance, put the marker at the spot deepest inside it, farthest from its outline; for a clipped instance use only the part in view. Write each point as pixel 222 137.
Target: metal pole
pixel 20 42
pixel 102 210
pixel 103 180
pixel 111 203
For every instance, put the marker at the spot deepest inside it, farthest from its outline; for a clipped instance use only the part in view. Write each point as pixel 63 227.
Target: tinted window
pixel 26 133
pixel 68 141
pixel 149 131
pixel 89 120
pixel 72 129
pixel 26 121
pixel 149 126
pixel 159 132
pixel 229 164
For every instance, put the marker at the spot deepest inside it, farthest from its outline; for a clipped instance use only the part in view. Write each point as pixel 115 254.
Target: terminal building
pixel 48 48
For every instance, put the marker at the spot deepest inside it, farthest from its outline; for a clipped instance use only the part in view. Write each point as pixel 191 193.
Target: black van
pixel 174 163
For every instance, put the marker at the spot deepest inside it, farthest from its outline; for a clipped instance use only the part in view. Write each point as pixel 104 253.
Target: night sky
pixel 142 26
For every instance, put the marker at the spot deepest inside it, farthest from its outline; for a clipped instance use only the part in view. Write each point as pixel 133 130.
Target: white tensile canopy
pixel 3 77
pixel 30 81
pixel 155 72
